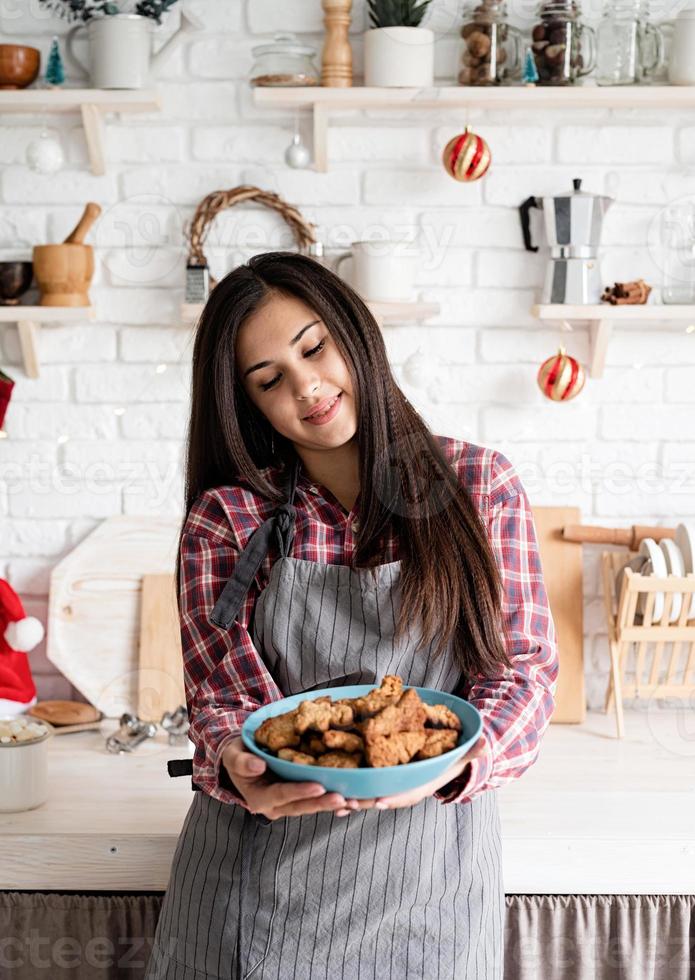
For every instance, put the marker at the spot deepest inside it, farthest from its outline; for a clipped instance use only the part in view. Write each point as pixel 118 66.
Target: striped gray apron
pixel 402 894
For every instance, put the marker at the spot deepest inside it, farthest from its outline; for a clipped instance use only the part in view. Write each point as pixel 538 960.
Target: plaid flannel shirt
pixel 226 678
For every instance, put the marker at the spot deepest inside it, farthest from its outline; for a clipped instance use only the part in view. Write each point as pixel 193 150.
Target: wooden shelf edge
pixel 513 96
pixel 71 99
pixel 604 311
pixel 29 320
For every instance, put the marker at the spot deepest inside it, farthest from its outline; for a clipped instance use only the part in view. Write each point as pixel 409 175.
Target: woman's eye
pixel 309 353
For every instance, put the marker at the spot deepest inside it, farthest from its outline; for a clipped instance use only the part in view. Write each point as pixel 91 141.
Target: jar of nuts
pixel 563 47
pixel 284 62
pixel 492 49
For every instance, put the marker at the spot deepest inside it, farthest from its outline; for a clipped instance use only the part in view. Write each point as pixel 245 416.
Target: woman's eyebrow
pixel 262 364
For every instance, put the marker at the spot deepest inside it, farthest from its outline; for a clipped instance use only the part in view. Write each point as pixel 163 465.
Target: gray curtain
pixel 56 936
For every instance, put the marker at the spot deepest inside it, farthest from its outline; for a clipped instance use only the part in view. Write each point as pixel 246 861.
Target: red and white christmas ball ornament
pixel 467 156
pixel 561 377
pixel 19 634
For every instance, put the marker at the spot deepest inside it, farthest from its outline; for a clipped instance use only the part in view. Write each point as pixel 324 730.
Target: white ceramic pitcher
pixel 120 49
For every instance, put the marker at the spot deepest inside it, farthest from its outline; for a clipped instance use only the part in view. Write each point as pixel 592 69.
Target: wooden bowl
pixel 19 65
pixel 15 279
pixel 63 273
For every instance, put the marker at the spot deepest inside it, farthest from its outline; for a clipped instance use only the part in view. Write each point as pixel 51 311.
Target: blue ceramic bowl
pixel 367 783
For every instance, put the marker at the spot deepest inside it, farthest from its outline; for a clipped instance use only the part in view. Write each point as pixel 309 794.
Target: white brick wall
pixel 101 432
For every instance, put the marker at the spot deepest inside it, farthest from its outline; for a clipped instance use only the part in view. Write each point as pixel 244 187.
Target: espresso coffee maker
pixel 573 224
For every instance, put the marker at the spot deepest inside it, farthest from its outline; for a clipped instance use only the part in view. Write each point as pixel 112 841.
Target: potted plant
pixel 397 51
pixel 119 38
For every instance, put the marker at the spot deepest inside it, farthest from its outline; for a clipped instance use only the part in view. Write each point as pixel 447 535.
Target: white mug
pixel 383 271
pixel 681 65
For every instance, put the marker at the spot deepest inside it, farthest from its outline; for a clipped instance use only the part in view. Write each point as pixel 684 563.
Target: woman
pixel 331 539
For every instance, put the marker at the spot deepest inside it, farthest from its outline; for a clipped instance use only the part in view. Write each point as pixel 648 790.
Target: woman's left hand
pixel 413 796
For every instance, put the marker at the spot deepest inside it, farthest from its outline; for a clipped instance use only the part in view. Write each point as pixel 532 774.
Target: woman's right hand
pixel 274 798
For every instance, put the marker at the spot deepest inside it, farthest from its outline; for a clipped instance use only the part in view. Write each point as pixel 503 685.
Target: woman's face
pixel 288 364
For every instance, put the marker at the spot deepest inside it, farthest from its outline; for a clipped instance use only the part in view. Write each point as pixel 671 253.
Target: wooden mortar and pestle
pixel 63 272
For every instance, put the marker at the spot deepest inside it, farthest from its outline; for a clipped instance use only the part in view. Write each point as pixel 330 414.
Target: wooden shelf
pixel 29 319
pixel 322 101
pixel 384 313
pixel 600 319
pixel 91 103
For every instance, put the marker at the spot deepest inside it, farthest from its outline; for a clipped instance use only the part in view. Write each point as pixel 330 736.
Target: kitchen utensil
pixel 628 536
pixel 674 566
pixel 573 224
pixel 653 552
pixel 685 539
pixel 65 712
pixel 24 769
pixel 382 270
pixel 19 65
pixel 15 279
pixel 367 783
pixel 176 724
pixel 120 49
pixel 637 648
pixel 64 272
pixel 160 677
pixel 561 561
pixel 94 607
pixel 132 732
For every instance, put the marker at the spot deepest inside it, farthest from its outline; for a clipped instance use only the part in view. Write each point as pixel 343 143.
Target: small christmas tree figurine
pixel 530 76
pixel 55 73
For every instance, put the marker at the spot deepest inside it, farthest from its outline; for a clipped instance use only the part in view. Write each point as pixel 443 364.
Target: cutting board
pixel 95 607
pixel 563 576
pixel 160 674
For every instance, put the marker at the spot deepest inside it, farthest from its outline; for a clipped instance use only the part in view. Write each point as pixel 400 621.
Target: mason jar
pixel 492 48
pixel 564 47
pixel 284 62
pixel 629 49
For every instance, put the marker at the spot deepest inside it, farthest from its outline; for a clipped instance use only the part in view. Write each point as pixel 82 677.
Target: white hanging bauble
pixel 45 154
pixel 421 369
pixel 297 155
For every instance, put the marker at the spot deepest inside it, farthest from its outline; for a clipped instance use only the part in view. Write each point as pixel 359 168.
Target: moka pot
pixel 573 225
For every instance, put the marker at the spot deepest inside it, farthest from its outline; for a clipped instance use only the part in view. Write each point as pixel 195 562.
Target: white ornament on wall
pixel 45 154
pixel 421 369
pixel 297 155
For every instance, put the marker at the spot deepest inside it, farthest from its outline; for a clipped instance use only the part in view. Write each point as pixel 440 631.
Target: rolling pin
pixel 630 537
pixel 89 216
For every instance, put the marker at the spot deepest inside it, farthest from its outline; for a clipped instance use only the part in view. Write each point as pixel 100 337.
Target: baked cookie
pixel 394 750
pixel 345 741
pixel 290 755
pixel 439 716
pixel 438 741
pixel 322 714
pixel 340 760
pixel 279 732
pixel 408 715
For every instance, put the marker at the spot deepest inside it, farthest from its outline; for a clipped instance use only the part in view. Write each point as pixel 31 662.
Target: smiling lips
pixel 322 407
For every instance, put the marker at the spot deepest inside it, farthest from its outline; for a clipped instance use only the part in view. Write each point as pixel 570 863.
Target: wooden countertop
pixel 594 815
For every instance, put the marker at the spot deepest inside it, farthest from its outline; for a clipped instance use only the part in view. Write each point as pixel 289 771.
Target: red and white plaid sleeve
pixel 515 705
pixel 225 678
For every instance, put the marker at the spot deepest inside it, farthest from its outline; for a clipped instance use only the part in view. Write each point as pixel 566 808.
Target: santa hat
pixel 19 633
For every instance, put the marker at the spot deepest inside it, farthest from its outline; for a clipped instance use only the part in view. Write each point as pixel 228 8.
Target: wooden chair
pixel 629 630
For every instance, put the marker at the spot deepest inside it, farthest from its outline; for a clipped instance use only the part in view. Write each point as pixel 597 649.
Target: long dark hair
pixel 450 583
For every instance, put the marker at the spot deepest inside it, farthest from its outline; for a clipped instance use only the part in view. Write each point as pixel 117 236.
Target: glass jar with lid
pixel 492 48
pixel 564 48
pixel 284 62
pixel 629 48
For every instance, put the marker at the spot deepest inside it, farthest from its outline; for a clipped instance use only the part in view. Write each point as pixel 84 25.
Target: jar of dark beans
pixel 563 47
pixel 492 49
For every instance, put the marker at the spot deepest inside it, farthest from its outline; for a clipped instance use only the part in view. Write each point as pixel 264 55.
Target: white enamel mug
pixel 382 270
pixel 24 772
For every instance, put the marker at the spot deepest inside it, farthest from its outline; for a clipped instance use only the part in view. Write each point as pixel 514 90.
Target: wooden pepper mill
pixel 336 59
pixel 63 272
